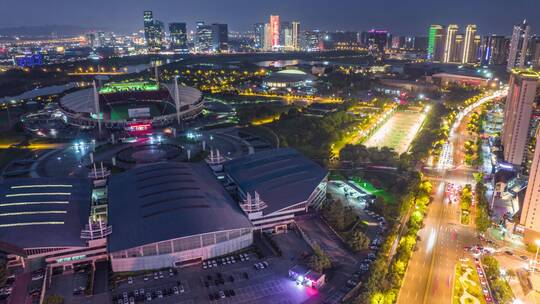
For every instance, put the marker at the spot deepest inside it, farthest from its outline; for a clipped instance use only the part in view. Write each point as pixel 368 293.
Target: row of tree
pixel 433 134
pixel 483 219
pixel 466 203
pixel 388 271
pixel 499 286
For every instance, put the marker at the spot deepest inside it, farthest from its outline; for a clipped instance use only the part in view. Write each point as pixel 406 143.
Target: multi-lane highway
pixel 430 273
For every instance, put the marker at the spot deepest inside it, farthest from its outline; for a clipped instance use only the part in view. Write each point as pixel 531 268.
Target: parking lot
pixel 238 282
pixel 66 285
pixel 351 267
pixel 358 201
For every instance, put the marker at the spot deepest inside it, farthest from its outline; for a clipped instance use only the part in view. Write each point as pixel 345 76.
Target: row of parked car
pixel 366 263
pixel 483 281
pixel 141 294
pixel 242 257
pixel 156 275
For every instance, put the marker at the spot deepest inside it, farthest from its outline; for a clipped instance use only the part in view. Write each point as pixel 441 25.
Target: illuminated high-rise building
pixel 495 50
pixel 456 56
pixel 377 40
pixel 477 48
pixel 530 211
pixel 153 32
pixel 517 114
pixel 259 36
pixel 436 43
pixel 178 37
pixel 534 52
pixel 148 19
pixel 450 43
pixel 285 36
pixel 149 30
pixel 295 25
pixel 470 45
pixel 267 45
pixel 220 37
pixel 204 38
pixel 517 55
pixel 274 30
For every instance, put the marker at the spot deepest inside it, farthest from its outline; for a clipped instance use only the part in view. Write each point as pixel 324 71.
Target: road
pixel 430 274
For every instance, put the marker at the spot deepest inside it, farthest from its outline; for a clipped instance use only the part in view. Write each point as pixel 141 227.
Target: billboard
pixel 139 112
pixel 29 61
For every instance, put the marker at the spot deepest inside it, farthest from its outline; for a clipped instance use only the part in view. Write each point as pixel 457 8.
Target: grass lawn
pixel 470 283
pixel 369 188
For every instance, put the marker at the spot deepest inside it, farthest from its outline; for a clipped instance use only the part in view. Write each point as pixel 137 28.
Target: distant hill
pixel 44 31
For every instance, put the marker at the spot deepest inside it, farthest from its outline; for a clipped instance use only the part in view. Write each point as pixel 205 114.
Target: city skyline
pixel 345 15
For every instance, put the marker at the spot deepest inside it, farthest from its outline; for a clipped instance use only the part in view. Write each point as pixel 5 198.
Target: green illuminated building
pixel 436 43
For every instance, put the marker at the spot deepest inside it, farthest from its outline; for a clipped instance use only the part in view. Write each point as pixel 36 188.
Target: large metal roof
pixel 164 201
pixel 282 177
pixel 44 212
pixel 289 75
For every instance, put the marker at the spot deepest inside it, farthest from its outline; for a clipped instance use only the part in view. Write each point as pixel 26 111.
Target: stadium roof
pixel 44 212
pixel 82 101
pixel 282 177
pixel 164 201
pixel 289 75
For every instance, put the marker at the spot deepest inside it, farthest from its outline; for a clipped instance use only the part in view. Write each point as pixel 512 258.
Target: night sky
pixel 398 16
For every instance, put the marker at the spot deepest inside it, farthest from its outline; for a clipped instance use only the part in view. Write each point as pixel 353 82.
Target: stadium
pixel 289 78
pixel 123 105
pixel 170 215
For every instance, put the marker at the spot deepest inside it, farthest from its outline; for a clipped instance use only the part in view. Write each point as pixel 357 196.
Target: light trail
pixel 431 240
pixel 446 159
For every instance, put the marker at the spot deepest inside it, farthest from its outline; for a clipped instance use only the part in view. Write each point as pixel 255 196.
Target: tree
pixel 378 298
pixel 478 176
pixel 491 266
pixel 358 241
pixel 482 220
pixel 319 261
pixel 501 290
